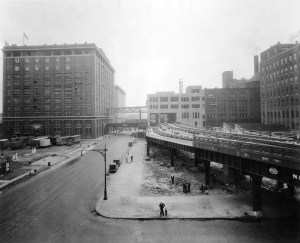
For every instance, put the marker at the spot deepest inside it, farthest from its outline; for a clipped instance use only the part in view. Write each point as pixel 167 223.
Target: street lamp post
pixel 103 153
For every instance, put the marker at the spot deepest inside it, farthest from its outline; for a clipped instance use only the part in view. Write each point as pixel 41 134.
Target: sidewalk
pixel 42 164
pixel 124 201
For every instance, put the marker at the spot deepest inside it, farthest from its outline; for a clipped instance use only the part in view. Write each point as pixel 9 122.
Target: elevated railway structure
pixel 258 157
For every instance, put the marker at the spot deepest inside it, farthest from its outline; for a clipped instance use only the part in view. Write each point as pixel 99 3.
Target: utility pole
pixel 103 153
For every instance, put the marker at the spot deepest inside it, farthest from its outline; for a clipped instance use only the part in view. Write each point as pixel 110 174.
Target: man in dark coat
pixel 161 206
pixel 189 187
pixel 184 188
pixel 172 178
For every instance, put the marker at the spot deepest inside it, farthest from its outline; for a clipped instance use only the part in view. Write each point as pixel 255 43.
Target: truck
pixel 62 140
pixel 25 140
pixel 73 139
pixel 4 143
pixel 36 142
pixel 54 139
pixel 45 143
pixel 16 145
pixel 113 168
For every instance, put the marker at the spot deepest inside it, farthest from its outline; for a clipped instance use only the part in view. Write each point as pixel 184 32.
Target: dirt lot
pixel 158 171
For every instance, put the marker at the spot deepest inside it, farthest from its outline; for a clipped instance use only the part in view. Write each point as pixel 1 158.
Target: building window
pixel 185 106
pixel 163 106
pixel 174 99
pixel 184 98
pixel 163 99
pixel 174 106
pixel 195 98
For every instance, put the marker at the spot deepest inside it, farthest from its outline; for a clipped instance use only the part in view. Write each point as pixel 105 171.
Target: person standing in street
pixel 131 158
pixel 161 206
pixel 189 187
pixel 184 188
pixel 172 179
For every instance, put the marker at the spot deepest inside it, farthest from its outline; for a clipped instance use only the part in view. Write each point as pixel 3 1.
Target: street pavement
pixel 46 163
pixel 125 202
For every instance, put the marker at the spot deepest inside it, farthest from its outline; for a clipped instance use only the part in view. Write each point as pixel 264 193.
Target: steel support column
pixel 207 171
pixel 236 175
pixel 148 148
pixel 291 190
pixel 256 188
pixel 172 157
pixel 197 158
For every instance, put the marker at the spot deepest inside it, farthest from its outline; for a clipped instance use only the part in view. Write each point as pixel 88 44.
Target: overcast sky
pixel 153 44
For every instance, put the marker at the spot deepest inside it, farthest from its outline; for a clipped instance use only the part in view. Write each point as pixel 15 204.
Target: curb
pixel 248 218
pixel 240 219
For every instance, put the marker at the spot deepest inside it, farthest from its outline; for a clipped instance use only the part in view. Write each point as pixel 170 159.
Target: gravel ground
pixel 158 171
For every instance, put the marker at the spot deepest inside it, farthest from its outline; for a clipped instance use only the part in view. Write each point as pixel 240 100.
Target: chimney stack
pixel 256 64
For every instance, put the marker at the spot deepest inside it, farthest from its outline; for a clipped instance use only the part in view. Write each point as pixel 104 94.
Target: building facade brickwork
pixel 66 89
pixel 280 86
pixel 232 105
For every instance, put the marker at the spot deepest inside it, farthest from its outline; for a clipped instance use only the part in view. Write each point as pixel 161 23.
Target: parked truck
pixel 36 141
pixel 62 140
pixel 4 143
pixel 16 145
pixel 73 139
pixel 45 143
pixel 54 139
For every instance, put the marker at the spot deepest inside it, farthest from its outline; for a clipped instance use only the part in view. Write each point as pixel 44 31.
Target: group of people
pixel 163 210
pixel 129 156
pixel 186 186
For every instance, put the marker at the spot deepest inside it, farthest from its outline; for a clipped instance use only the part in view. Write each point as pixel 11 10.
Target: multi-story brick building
pixel 186 108
pixel 63 89
pixel 280 86
pixel 237 102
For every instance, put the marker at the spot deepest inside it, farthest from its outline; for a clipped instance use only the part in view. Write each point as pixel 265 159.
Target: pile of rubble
pixel 158 172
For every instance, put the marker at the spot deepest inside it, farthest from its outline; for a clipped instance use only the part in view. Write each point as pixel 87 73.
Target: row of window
pixel 174 106
pixel 174 99
pixel 281 73
pixel 281 114
pixel 48 53
pixel 282 61
pixel 40 60
pixel 28 100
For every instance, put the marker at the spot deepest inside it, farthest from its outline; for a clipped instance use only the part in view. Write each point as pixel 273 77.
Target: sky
pixel 154 44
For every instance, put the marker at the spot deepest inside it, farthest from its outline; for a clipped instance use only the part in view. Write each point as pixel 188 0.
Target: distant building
pixel 280 86
pixel 119 97
pixel 186 108
pixel 119 101
pixel 237 102
pixel 63 89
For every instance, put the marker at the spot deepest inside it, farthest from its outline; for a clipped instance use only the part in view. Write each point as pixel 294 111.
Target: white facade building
pixel 186 108
pixel 119 102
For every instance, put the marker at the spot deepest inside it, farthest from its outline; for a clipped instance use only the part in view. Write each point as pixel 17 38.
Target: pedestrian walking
pixel 184 188
pixel 161 206
pixel 189 187
pixel 172 179
pixel 202 188
pixel 131 158
pixel 166 212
